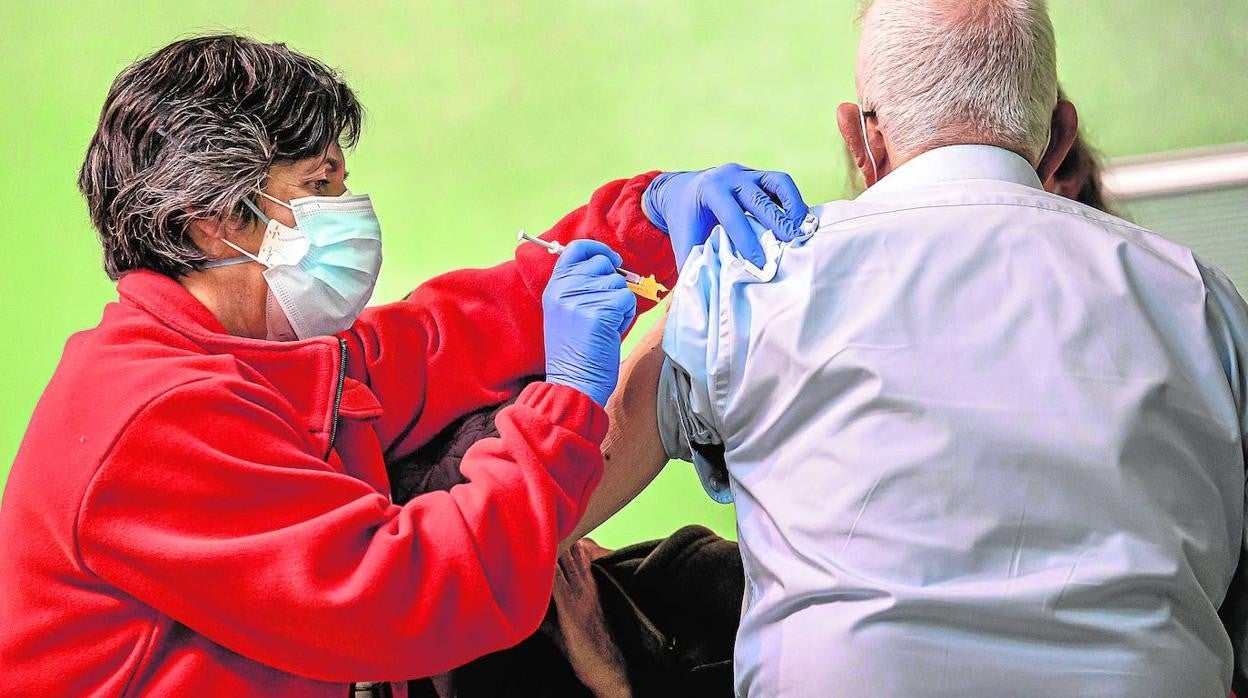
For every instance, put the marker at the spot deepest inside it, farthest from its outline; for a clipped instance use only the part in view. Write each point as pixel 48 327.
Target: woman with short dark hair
pixel 189 132
pixel 200 503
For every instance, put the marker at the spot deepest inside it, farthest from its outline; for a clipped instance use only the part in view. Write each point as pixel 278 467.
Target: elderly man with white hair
pixel 982 440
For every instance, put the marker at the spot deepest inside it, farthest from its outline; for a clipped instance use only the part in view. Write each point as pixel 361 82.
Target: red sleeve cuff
pixel 649 250
pixel 566 407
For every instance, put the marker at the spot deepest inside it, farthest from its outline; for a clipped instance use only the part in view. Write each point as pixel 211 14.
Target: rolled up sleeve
pixel 690 385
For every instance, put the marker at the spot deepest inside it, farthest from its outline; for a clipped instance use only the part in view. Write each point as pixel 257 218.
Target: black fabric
pixel 688 588
pixel 672 605
pixel 1234 615
pixel 434 467
pixel 534 668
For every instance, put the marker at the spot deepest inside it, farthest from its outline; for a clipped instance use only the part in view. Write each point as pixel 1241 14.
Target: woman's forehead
pixel 331 160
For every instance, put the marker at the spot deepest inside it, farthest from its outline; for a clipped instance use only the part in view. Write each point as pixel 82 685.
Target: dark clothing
pixel 672 605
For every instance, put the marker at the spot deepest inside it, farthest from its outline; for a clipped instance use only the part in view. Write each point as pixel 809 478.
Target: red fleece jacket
pixel 193 513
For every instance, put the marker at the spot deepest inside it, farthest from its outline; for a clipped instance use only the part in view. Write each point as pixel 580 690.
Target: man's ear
pixel 850 125
pixel 1064 126
pixel 851 130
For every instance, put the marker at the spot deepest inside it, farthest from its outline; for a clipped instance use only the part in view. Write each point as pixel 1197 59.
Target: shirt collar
pixel 954 163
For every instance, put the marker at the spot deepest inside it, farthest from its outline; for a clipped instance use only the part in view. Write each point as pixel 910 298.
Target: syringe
pixel 644 286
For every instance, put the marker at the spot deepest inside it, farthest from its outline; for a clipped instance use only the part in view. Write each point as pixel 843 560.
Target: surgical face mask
pixel 320 273
pixel 862 119
pixel 276 325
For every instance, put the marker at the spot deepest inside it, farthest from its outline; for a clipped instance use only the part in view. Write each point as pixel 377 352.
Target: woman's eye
pixel 320 184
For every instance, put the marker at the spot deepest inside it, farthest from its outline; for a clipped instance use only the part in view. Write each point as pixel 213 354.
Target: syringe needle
pixel 644 286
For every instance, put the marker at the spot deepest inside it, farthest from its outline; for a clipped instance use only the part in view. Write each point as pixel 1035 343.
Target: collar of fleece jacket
pixel 305 372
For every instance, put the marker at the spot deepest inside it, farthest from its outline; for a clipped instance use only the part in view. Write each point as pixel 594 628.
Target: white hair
pixel 942 72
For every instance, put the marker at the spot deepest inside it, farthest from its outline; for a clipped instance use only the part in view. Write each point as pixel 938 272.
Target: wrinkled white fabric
pixel 982 440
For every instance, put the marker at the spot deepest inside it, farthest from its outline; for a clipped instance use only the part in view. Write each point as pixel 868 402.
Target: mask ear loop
pixel 862 119
pixel 246 256
pixel 277 201
pixel 256 209
pixel 1048 140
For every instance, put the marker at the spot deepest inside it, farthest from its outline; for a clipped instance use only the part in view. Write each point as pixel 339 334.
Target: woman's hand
pixel 687 205
pixel 586 309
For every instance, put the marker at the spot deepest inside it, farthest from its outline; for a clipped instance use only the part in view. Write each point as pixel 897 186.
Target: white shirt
pixel 982 440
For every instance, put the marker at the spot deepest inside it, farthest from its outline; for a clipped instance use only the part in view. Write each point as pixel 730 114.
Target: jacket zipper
pixel 342 378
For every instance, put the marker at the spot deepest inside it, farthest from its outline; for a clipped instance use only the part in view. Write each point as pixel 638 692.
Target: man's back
pixel 981 440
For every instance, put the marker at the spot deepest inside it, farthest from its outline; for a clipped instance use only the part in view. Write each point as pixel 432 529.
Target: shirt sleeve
pixel 470 338
pixel 689 437
pixel 1227 316
pixel 691 381
pixel 209 510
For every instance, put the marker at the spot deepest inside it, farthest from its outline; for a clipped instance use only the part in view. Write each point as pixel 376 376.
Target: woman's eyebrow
pixel 319 168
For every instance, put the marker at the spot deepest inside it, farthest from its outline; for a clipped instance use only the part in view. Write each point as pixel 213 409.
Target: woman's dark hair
pixel 191 130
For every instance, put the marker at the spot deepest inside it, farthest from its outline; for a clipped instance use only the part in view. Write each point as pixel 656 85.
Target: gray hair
pixel 190 131
pixel 941 72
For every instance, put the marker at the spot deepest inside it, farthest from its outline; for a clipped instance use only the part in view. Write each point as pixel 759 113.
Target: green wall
pixel 489 116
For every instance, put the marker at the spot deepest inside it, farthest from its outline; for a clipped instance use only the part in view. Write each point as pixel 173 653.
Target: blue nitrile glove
pixel 586 309
pixel 687 205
